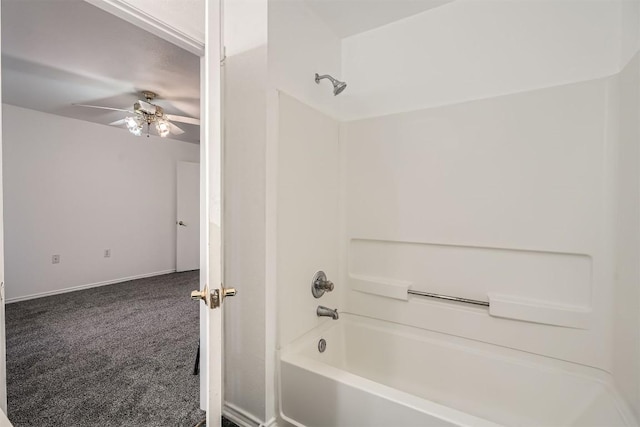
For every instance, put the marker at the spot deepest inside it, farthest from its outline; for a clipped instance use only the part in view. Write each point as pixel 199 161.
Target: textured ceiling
pixel 59 52
pixel 349 17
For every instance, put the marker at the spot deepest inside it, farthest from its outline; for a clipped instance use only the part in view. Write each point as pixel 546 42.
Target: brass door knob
pixel 199 295
pixel 229 292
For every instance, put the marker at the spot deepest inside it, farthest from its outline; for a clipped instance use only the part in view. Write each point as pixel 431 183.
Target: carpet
pixel 117 355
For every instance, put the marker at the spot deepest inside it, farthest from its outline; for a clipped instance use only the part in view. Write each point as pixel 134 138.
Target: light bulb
pixel 134 124
pixel 136 131
pixel 163 128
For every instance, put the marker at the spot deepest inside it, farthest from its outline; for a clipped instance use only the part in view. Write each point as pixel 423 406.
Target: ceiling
pixel 59 52
pixel 349 17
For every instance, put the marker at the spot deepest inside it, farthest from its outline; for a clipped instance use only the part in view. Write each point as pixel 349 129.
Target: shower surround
pixel 464 162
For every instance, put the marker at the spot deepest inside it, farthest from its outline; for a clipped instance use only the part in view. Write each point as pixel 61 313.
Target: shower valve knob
pixel 320 284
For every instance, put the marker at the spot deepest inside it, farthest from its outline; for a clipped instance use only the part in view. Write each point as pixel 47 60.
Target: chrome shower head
pixel 338 86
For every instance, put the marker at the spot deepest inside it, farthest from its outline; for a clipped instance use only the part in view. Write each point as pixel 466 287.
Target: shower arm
pixel 324 76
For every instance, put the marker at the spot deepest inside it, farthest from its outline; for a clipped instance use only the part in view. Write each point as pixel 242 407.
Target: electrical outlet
pixel 55 259
pixel 107 253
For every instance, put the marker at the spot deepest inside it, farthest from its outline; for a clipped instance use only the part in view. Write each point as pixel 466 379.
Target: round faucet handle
pixel 320 284
pixel 326 285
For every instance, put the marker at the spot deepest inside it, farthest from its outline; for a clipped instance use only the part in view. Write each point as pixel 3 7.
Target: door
pixel 214 294
pixel 188 216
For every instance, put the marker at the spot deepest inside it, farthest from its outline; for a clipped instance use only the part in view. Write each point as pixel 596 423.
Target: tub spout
pixel 323 311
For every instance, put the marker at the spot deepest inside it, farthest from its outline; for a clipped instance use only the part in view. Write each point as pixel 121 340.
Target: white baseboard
pixel 240 416
pixel 87 286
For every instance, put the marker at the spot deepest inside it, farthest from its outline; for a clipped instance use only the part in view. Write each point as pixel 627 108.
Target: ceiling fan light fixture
pixel 134 124
pixel 163 128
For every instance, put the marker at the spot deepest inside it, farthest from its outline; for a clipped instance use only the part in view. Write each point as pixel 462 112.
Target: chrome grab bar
pixel 448 298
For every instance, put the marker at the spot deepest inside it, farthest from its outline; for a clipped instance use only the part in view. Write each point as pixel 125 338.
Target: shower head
pixel 338 86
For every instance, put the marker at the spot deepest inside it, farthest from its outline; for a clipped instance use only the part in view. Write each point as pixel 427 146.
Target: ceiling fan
pixel 144 112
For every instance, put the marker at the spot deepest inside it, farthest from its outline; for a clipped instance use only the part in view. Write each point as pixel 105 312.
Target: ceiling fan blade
pixel 102 108
pixel 175 129
pixel 183 119
pixel 146 107
pixel 117 123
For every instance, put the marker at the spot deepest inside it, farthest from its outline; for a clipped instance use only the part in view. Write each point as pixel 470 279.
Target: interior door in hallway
pixel 188 217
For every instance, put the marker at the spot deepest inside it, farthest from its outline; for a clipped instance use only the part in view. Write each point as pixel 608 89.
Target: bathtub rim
pixel 294 353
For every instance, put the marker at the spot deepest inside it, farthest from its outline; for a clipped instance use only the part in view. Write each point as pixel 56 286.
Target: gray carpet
pixel 118 355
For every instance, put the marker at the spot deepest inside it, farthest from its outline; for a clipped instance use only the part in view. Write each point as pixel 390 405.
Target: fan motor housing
pixel 157 114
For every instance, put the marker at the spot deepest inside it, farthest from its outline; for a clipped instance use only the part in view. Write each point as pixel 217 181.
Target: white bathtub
pixel 375 373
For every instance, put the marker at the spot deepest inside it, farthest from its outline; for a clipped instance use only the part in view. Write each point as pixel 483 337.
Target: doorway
pixel 75 234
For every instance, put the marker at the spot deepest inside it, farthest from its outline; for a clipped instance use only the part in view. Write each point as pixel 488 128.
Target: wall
pixel 503 195
pixel 624 112
pixel 469 163
pixel 75 188
pixel 300 45
pixel 498 164
pixel 301 175
pixel 308 185
pixel 245 25
pixel 463 53
pixel 244 238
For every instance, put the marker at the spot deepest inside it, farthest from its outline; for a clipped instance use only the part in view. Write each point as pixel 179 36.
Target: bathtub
pixel 375 373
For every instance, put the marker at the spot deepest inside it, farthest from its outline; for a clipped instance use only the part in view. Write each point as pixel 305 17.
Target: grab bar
pixel 448 298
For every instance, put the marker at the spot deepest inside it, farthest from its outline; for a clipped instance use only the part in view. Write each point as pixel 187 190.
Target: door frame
pixel 210 186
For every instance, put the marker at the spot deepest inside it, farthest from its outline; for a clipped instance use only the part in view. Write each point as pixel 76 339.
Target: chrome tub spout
pixel 323 311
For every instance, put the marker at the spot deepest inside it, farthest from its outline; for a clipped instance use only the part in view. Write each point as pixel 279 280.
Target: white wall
pixel 624 113
pixel 308 186
pixel 245 25
pixel 301 174
pixel 244 225
pixel 467 50
pixel 503 195
pixel 300 45
pixel 485 135
pixel 503 145
pixel 75 188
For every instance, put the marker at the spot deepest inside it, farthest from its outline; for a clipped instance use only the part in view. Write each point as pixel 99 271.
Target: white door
pixel 188 216
pixel 215 294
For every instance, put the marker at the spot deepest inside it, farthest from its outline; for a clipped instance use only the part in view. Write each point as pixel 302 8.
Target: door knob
pixel 182 223
pixel 214 299
pixel 198 295
pixel 218 295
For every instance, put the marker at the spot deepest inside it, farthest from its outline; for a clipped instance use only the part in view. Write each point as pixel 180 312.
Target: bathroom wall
pixel 307 213
pixel 300 45
pixel 504 166
pixel 479 165
pixel 474 50
pixel 244 219
pixel 624 113
pixel 503 195
pixel 624 107
pixel 302 164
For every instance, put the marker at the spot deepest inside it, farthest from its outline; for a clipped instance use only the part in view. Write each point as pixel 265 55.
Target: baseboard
pixel 240 416
pixel 88 286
